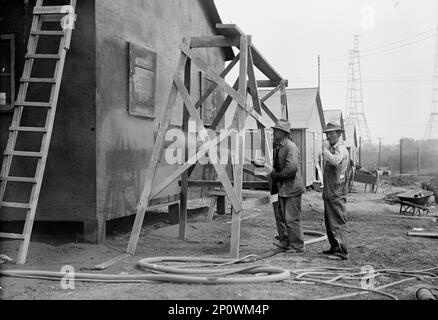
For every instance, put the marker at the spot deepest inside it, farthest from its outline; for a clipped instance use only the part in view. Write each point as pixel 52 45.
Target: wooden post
pixel 380 152
pixel 401 156
pixel 185 176
pixel 360 150
pixel 241 116
pixel 418 159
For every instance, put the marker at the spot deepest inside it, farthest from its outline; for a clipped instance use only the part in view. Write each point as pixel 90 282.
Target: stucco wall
pixel 68 190
pixel 125 142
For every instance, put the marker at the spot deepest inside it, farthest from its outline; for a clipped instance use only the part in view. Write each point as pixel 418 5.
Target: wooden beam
pixel 213 87
pixel 255 97
pixel 264 66
pixel 186 166
pixel 224 108
pixel 222 176
pixel 270 94
pixel 156 153
pixel 284 107
pixel 185 175
pixel 271 84
pixel 260 62
pixel 221 82
pixel 269 113
pixel 214 42
pixel 217 184
pixel 241 137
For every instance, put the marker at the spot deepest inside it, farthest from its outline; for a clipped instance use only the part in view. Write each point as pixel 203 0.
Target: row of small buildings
pixel 110 106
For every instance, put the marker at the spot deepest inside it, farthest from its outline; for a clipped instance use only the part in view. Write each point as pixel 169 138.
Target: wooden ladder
pixel 41 14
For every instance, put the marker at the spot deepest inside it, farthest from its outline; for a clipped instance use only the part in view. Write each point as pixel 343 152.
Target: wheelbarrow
pixel 414 202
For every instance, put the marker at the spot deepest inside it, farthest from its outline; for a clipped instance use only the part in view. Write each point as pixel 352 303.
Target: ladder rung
pixel 15 205
pixel 24 154
pixel 11 236
pixel 28 129
pixel 46 33
pixel 39 80
pixel 50 10
pixel 34 104
pixel 42 56
pixel 19 179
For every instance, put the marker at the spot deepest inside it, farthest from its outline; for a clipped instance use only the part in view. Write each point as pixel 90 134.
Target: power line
pixel 343 57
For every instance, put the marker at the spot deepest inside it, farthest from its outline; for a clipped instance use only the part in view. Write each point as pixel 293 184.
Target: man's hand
pixel 325 146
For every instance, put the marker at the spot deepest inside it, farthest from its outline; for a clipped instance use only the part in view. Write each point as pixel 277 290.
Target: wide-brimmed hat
pixel 333 126
pixel 283 125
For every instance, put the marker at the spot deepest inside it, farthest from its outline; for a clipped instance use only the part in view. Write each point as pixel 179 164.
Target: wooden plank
pixel 211 209
pixel 241 137
pixel 24 154
pixel 28 129
pixel 213 87
pixel 221 82
pixel 34 104
pixel 15 205
pixel 46 33
pixel 271 84
pixel 50 10
pixel 284 107
pixel 38 80
pixel 186 166
pixel 269 113
pixel 270 94
pixel 42 56
pixel 144 201
pixel 111 262
pixel 18 179
pixel 222 176
pixel 255 98
pixel 223 109
pixel 11 236
pixel 217 184
pixel 214 41
pixel 185 175
pixel 245 193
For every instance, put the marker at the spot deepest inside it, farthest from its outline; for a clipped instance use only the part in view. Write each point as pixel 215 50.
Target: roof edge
pixel 212 13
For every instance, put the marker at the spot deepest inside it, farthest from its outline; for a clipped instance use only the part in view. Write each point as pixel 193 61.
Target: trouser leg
pixel 279 218
pixel 293 222
pixel 335 217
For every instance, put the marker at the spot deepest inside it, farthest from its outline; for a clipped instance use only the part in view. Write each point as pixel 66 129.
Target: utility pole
pixel 319 71
pixel 401 156
pixel 380 152
pixel 360 150
pixel 418 159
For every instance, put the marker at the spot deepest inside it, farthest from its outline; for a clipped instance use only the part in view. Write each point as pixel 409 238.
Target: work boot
pixel 330 251
pixel 341 255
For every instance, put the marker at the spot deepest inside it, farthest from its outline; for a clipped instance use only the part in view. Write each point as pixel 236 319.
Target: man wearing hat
pixel 336 159
pixel 287 180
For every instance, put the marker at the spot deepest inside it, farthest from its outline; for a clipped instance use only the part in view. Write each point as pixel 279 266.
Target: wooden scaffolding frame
pixel 248 59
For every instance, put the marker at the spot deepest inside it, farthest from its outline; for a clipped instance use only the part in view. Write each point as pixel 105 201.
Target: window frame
pixel 10 107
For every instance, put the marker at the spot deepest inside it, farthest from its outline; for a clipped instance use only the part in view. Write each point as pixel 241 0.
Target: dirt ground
pixel 377 238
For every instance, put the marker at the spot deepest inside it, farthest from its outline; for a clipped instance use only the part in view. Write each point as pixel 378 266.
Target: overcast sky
pixel 398 51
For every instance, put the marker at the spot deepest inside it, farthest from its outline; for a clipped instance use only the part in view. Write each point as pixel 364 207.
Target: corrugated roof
pixel 301 104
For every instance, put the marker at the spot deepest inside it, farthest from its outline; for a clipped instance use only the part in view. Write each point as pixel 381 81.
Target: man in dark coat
pixel 336 159
pixel 288 182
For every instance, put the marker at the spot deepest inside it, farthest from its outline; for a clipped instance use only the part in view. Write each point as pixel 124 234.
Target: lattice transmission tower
pixel 355 115
pixel 432 127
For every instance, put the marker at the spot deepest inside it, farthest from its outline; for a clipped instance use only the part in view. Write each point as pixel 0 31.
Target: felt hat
pixel 333 126
pixel 283 125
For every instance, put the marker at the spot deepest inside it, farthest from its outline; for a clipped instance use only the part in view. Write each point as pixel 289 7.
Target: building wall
pixel 69 187
pixel 125 142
